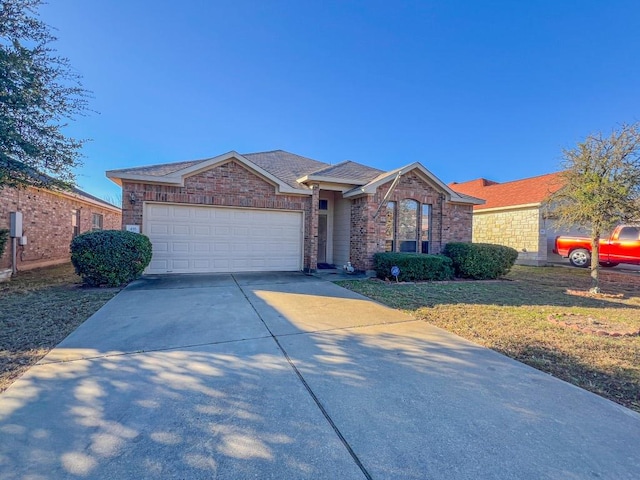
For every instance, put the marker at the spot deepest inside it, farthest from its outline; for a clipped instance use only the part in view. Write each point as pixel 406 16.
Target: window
pixel 390 228
pixel 408 225
pixel 629 233
pixel 323 204
pixel 96 221
pixel 75 222
pixel 425 228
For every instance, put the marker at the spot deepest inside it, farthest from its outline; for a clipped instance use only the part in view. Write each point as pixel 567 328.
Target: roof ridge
pixel 268 151
pixel 327 166
pixel 523 179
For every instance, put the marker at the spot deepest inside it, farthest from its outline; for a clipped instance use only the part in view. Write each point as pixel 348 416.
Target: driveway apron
pixel 287 376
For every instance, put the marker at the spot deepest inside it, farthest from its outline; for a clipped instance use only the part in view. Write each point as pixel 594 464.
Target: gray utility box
pixel 15 230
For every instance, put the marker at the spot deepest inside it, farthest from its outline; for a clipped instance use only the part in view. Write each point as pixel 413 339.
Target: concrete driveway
pixel 286 376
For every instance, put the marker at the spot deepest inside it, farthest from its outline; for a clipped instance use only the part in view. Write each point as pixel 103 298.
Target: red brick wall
pixel 229 184
pixel 46 218
pixel 366 232
pixel 457 223
pixel 449 222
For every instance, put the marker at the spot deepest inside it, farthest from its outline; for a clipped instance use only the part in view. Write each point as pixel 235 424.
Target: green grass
pixel 511 317
pixel 39 309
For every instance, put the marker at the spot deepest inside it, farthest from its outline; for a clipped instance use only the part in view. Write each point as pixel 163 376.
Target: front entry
pixel 322 239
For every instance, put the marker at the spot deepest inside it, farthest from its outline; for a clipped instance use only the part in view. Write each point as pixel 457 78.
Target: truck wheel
pixel 580 258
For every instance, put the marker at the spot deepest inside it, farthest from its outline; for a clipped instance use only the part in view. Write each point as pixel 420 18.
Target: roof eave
pixel 468 201
pixel 325 179
pixel 178 177
pixel 509 207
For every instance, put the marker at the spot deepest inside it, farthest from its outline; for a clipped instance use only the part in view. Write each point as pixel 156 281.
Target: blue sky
pixel 470 89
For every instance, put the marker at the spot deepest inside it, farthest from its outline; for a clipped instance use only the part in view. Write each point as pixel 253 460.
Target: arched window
pixel 408 225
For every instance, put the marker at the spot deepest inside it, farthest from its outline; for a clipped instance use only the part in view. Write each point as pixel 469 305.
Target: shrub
pixel 110 257
pixel 413 266
pixel 4 236
pixel 481 261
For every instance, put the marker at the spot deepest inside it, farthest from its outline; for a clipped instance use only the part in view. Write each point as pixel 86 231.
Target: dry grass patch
pixel 512 317
pixel 39 309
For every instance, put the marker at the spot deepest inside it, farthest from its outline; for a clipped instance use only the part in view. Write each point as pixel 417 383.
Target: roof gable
pixel 422 171
pixel 176 173
pixel 527 191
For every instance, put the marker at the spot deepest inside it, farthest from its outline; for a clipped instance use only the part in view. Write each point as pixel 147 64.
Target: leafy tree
pixel 39 92
pixel 601 189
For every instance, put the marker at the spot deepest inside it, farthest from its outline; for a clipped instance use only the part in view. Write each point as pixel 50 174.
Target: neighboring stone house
pixel 512 215
pixel 275 211
pixel 50 220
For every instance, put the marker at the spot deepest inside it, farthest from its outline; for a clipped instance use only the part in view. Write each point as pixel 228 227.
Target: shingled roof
pixel 347 170
pixel 288 167
pixel 527 191
pixel 160 170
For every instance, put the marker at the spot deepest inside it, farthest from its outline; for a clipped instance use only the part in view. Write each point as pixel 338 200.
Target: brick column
pixel 313 228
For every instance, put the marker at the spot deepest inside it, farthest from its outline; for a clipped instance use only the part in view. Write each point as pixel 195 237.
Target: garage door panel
pixel 214 239
pixel 158 229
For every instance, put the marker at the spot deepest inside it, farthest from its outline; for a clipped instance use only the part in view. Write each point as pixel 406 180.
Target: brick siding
pixel 366 232
pixel 232 184
pixel 47 224
pixel 449 222
pixel 229 184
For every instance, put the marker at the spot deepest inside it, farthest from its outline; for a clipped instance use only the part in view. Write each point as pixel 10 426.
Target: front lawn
pixel 538 316
pixel 38 309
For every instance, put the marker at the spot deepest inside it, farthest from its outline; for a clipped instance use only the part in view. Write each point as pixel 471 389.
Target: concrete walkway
pixel 286 376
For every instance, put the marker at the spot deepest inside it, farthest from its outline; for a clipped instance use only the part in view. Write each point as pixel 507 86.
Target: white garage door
pixel 193 239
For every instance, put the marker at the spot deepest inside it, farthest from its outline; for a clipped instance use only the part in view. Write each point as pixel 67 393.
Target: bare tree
pixel 601 180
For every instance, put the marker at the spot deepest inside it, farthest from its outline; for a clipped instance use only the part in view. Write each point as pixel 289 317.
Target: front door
pixel 322 239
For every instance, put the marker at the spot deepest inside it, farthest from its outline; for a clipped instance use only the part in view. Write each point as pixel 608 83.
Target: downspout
pixel 442 197
pixel 388 194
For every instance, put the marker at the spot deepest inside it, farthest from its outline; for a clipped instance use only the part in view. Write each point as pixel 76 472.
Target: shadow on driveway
pixel 288 376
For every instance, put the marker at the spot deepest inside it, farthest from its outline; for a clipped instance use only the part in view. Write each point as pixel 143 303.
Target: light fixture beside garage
pixel 132 198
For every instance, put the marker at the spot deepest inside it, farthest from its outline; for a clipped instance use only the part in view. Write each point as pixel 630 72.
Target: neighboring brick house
pixel 279 211
pixel 50 220
pixel 513 215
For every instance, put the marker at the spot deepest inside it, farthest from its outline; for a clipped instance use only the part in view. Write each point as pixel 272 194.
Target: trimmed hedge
pixel 413 266
pixel 481 261
pixel 110 257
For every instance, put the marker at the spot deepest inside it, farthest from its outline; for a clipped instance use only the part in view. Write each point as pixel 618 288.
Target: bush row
pixel 481 261
pixel 413 266
pixel 110 257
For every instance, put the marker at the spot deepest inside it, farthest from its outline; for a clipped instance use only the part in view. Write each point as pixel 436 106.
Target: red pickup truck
pixel 622 247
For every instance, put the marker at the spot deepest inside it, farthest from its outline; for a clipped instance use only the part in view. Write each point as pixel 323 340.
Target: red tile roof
pixel 509 194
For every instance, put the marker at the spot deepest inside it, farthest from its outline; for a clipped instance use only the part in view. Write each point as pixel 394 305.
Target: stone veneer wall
pixel 47 224
pixel 449 222
pixel 229 184
pixel 517 228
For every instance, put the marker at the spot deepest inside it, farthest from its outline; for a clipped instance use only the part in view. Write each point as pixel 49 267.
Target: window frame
pixel 75 222
pixel 425 243
pixel 390 240
pixel 407 235
pixel 100 223
pixel 423 216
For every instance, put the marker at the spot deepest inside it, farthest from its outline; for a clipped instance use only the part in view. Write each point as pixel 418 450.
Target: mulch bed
pixel 592 326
